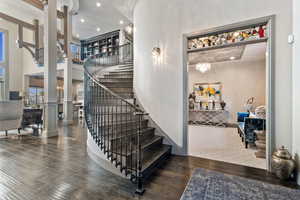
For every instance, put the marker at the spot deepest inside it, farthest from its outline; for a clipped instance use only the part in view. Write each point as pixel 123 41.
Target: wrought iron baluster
pixel 104 127
pixel 101 118
pixel 97 114
pixel 136 140
pixel 116 130
pixel 140 189
pixel 126 137
pixel 132 126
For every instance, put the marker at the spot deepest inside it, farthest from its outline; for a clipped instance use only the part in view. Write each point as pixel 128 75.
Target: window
pixel 3 65
pixel 75 51
pixel 35 96
pixel 2 47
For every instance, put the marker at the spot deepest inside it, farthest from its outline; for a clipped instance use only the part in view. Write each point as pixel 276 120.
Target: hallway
pixel 59 168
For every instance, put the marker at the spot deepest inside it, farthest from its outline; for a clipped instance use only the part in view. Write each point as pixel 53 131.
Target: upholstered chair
pixel 11 113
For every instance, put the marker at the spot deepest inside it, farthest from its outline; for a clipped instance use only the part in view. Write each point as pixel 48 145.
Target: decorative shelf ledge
pixel 240 43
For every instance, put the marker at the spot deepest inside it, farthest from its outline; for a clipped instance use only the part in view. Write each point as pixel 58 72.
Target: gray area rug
pixel 210 185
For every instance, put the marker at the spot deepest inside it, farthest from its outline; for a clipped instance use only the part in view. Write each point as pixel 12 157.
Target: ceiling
pixel 20 10
pixel 251 52
pixel 107 17
pixel 216 55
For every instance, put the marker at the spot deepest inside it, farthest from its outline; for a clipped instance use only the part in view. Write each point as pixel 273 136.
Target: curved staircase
pixel 117 125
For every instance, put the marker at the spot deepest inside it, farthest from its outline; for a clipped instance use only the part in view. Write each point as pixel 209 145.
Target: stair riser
pixel 116 118
pixel 123 127
pixel 114 108
pixel 120 76
pixel 119 85
pixel 112 103
pixel 121 73
pixel 126 67
pixel 133 137
pixel 115 80
pixel 121 90
pixel 114 89
pixel 145 153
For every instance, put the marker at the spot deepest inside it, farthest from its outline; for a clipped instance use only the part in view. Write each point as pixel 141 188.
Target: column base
pixel 68 122
pixel 48 134
pixel 68 113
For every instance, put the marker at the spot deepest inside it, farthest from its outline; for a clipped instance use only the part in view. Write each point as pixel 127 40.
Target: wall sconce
pixel 156 52
pixel 129 29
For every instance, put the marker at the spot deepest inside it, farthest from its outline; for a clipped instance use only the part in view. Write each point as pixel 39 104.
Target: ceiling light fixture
pixel 236 34
pixel 77 35
pixel 98 29
pixel 121 22
pixel 82 20
pixel 98 4
pixel 156 52
pixel 232 58
pixel 203 67
pixel 129 29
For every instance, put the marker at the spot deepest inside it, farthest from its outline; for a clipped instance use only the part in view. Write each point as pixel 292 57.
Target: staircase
pixel 118 126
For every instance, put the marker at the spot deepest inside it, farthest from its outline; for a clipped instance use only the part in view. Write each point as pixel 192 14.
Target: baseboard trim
pixel 49 134
pixel 67 122
pixel 99 157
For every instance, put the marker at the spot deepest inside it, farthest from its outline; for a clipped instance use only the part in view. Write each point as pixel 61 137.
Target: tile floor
pixel 222 144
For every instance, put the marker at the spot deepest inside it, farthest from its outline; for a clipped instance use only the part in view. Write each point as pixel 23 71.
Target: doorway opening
pixel 228 98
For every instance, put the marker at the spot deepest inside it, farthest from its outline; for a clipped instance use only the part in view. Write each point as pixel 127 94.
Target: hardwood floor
pixel 59 168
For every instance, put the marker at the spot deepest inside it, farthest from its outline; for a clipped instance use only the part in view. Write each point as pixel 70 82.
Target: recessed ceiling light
pixel 232 58
pixel 121 22
pixel 98 4
pixel 82 20
pixel 98 29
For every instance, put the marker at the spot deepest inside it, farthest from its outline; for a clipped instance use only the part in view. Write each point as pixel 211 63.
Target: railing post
pixel 140 189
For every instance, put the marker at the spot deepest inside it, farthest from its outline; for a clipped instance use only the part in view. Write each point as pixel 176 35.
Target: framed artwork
pixel 208 92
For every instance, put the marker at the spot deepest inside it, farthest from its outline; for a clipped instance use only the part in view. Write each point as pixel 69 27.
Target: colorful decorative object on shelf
pixel 203 67
pixel 223 104
pixel 208 95
pixel 191 102
pixel 251 33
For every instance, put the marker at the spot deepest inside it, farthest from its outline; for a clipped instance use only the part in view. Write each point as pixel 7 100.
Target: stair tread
pixel 123 122
pixel 157 154
pixel 146 143
pixel 116 136
pixel 124 72
pixel 118 86
pixel 115 80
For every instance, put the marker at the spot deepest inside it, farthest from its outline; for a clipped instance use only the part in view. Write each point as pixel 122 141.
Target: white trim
pixel 270 20
pixel 99 157
pixel 5 64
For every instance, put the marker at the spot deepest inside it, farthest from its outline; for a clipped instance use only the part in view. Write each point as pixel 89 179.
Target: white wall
pixel 296 83
pixel 159 86
pixel 240 80
pixel 15 56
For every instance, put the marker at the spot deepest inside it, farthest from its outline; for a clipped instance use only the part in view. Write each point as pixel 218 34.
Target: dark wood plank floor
pixel 59 168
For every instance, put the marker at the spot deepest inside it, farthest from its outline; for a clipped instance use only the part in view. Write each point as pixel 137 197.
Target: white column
pixel 50 65
pixel 26 86
pixel 68 99
pixel 296 83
